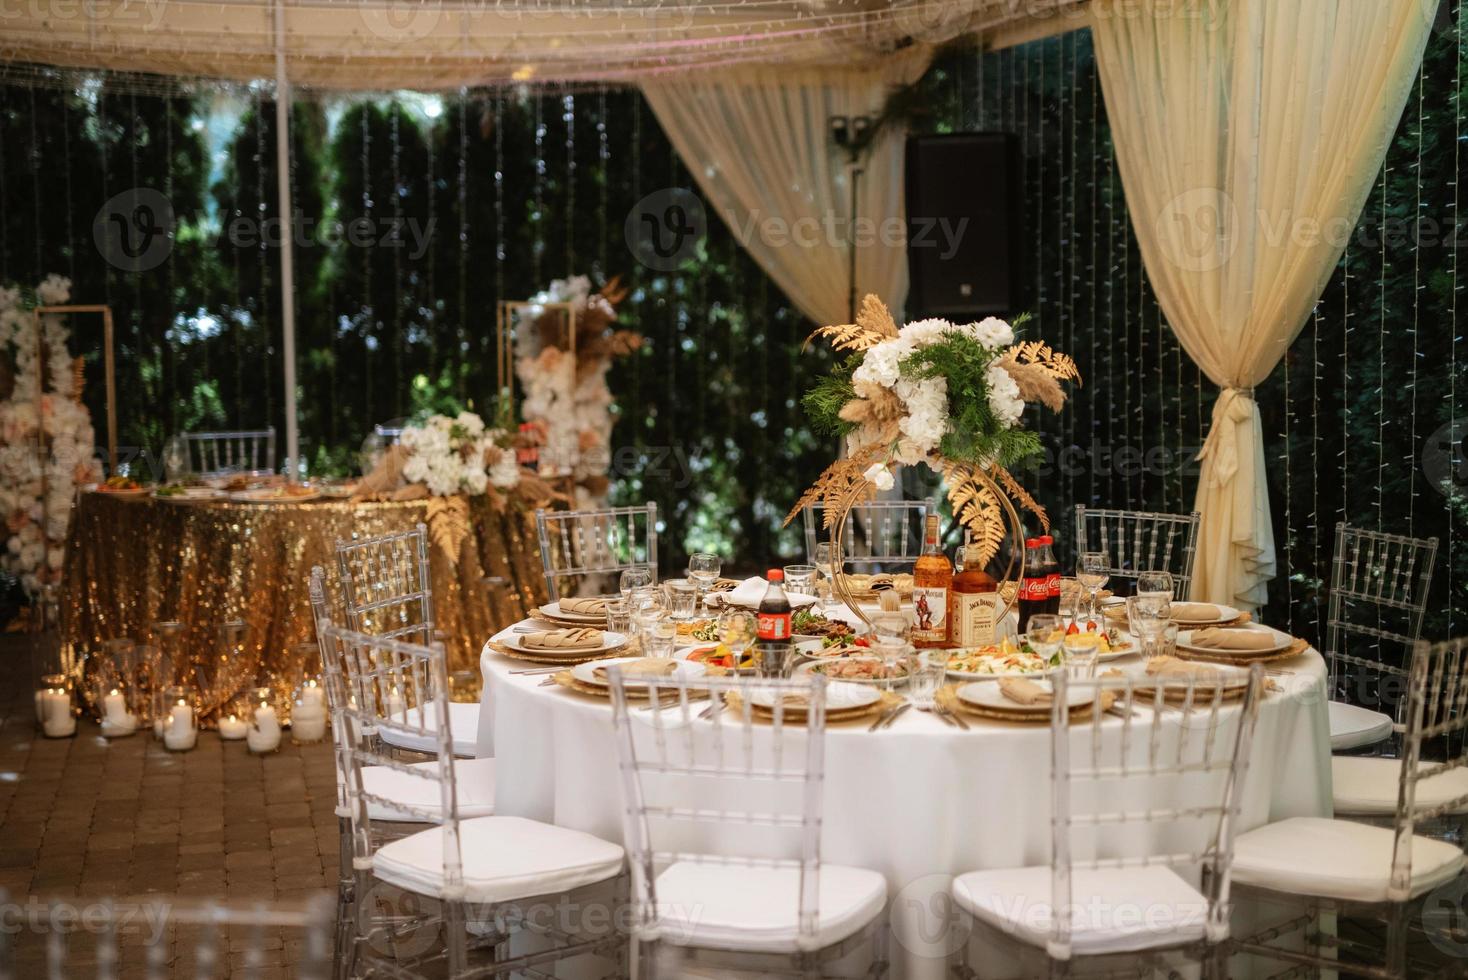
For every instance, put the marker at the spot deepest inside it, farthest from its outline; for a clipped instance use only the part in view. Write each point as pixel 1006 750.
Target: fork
pixel 933 710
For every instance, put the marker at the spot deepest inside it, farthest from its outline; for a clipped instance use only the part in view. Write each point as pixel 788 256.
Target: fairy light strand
pixel 1409 457
pixel 461 328
pixel 568 116
pixel 1453 303
pixel 399 342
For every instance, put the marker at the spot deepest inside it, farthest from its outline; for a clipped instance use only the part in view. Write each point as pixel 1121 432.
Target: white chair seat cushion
pixel 474 788
pixel 463 723
pixel 1337 859
pixel 1113 910
pixel 1366 787
pixel 756 910
pixel 504 858
pixel 1352 727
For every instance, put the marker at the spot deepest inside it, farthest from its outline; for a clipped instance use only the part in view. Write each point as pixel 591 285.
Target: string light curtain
pixel 758 143
pixel 1248 137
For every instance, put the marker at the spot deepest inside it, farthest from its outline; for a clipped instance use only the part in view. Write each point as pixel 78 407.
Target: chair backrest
pixel 1167 779
pixel 385 686
pixel 1379 585
pixel 1437 714
pixel 335 683
pixel 747 780
pixel 1136 541
pixel 882 532
pixel 575 543
pixel 386 588
pixel 228 452
pixel 133 938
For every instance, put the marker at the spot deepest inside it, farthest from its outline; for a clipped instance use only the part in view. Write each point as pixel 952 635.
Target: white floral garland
pixel 33 552
pixel 576 417
pixel 449 455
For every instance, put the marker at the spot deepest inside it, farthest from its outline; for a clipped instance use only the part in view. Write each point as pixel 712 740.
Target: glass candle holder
pixel 181 721
pixel 264 732
pixel 54 706
pixel 234 720
pixel 114 708
pixel 308 711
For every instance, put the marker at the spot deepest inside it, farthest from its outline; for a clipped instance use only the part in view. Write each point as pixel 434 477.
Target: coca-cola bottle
pixel 1052 573
pixel 774 644
pixel 1034 588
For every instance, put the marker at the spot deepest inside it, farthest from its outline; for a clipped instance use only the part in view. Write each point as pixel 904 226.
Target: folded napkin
pixel 1220 638
pixel 577 639
pixel 647 667
pixel 749 593
pixel 1022 690
pixel 1173 669
pixel 1194 612
pixel 585 606
pixel 795 702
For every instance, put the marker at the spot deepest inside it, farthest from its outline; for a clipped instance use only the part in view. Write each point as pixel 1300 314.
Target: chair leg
pixel 456 937
pixel 344 858
pixel 644 959
pixel 1396 941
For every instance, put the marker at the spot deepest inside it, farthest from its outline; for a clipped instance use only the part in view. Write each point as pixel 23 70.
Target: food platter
pixel 716 656
pixel 1002 660
pixel 187 495
pixel 856 670
pixel 284 494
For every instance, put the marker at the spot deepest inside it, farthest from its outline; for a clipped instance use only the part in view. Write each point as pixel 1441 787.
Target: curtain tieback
pixel 1235 407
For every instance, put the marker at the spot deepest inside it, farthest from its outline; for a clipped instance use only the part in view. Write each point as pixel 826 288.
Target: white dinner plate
pixel 190 495
pixel 1234 678
pixel 989 696
pixel 840 696
pixel 553 610
pixel 1282 641
pixel 586 673
pixel 609 641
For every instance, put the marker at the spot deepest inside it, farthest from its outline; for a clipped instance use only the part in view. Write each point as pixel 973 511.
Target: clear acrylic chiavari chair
pixel 883 533
pixel 1383 873
pixel 1143 820
pixel 722 812
pixel 217 453
pixel 387 591
pixel 1379 585
pixel 1137 541
pixel 164 938
pixel 579 543
pixel 473 869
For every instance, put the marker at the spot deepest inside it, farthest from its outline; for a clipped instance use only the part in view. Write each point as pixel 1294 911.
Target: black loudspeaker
pixel 965 214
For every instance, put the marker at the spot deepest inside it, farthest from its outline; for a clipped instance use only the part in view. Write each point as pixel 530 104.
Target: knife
pixel 887 722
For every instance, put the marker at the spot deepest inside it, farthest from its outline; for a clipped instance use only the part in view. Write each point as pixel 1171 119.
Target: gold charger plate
pixel 604 693
pixel 948 698
pixel 795 716
pixel 1118 613
pixel 570 661
pixel 1244 659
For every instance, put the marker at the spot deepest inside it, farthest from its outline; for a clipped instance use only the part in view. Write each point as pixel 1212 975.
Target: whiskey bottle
pixel 932 577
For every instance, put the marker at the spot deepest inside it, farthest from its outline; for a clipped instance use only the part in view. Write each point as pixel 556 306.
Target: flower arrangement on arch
pixel 458 455
pixel 948 395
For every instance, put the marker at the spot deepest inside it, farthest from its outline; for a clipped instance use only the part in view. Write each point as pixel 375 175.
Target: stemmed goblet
pixel 1093 576
pixel 703 569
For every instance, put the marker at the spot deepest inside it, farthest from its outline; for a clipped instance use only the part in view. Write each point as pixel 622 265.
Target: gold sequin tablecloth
pixel 133 562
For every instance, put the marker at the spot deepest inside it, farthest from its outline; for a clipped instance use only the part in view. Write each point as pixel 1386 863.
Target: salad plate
pixel 1000 660
pixel 856 670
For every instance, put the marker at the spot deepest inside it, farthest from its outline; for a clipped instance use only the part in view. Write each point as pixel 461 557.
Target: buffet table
pixel 918 802
pixel 133 561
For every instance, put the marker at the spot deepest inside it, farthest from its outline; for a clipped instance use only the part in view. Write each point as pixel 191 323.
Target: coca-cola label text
pixel 774 626
pixel 1034 589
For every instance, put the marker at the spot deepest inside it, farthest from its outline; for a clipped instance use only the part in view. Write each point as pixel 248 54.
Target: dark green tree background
pixel 475 196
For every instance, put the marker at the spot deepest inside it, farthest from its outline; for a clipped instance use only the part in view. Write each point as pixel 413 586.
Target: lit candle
pixel 308 719
pixel 57 721
pixel 117 721
pixel 264 734
pixel 313 693
pixel 232 729
pixel 395 703
pixel 180 733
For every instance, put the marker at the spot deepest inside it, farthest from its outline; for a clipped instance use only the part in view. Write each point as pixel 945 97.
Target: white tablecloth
pixel 918 802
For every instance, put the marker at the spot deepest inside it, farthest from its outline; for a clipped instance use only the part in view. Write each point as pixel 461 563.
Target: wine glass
pixel 1155 583
pixel 1093 576
pixel 634 578
pixel 703 569
pixel 1044 633
pixel 737 631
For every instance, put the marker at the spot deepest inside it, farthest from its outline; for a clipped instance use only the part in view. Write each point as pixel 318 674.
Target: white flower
pixel 472 424
pixel 879 476
pixel 54 290
pixel 992 332
pixel 475 479
pixel 1004 399
pixel 506 472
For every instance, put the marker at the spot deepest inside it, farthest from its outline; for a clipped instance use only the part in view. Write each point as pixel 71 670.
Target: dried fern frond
pixel 623 342
pixel 614 292
pixel 976 506
pixel 875 317
pixel 449 524
pixel 1022 496
pixel 1057 365
pixel 1035 383
pixel 78 379
pixel 873 325
pixel 837 480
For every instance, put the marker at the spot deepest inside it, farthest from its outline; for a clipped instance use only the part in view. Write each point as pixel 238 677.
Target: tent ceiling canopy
pixel 437 44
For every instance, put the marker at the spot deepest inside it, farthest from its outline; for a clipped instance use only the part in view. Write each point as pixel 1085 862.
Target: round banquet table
pixel 918 801
pixel 134 561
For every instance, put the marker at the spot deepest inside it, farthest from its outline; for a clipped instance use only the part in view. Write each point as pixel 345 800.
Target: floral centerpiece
pixel 46 438
pixel 458 455
pixel 948 395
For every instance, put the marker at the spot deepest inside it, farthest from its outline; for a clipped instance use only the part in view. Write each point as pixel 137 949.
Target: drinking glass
pixel 925 670
pixel 738 630
pixel 1093 576
pixel 703 569
pixel 800 578
pixel 682 598
pixel 1044 635
pixel 1081 653
pixel 619 616
pixel 660 636
pixel 1167 641
pixel 645 608
pixel 826 570
pixel 637 577
pixel 1158 583
pixel 1148 615
pixel 1070 600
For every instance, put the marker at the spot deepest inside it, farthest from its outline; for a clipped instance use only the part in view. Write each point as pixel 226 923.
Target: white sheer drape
pixel 1248 135
pixel 757 140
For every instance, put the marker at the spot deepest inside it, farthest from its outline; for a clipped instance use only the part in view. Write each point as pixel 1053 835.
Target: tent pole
pixel 287 236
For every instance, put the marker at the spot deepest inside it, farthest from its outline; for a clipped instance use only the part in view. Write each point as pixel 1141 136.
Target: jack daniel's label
pixel 973 618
